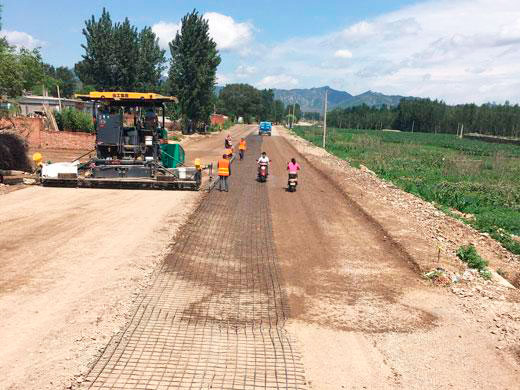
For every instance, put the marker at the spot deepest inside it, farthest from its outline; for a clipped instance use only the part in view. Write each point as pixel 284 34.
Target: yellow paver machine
pixel 132 147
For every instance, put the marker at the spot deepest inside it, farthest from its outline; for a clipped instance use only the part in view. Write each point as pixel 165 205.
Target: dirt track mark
pixel 214 316
pixel 344 271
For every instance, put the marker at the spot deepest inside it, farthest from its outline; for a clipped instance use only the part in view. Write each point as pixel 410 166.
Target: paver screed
pixel 214 315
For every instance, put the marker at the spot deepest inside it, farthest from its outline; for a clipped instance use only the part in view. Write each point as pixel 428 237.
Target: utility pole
pixel 293 114
pixel 59 98
pixel 325 120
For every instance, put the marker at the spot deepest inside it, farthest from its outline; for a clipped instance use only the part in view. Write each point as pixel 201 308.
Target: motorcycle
pixel 292 182
pixel 262 173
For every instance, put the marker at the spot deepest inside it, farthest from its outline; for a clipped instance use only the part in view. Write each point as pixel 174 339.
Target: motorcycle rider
pixel 263 160
pixel 293 167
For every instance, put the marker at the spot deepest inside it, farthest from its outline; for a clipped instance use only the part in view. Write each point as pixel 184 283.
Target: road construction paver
pixel 214 316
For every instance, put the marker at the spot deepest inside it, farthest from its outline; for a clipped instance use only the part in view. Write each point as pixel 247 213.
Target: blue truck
pixel 265 128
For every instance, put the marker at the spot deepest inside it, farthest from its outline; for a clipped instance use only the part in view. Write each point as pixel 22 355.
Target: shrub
pixel 469 255
pixel 74 120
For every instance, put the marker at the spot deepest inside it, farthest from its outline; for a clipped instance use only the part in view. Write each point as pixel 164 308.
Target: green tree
pixel 278 111
pixel 61 77
pixel 241 100
pixel 96 68
pixel 118 57
pixel 3 40
pixel 193 68
pixel 67 79
pixel 151 61
pixel 125 56
pixel 20 70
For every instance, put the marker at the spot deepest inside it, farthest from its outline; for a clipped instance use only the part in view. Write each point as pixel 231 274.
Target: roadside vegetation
pixel 432 116
pixel 70 119
pixel 475 181
pixel 470 256
pixel 250 103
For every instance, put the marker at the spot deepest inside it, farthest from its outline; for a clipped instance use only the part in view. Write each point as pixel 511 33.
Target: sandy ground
pixel 71 263
pixel 363 315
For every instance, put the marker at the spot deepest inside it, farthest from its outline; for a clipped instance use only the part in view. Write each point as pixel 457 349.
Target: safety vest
pixel 229 152
pixel 242 145
pixel 223 167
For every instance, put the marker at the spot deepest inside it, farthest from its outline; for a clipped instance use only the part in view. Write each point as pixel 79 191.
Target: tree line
pixel 255 105
pixel 431 116
pixel 251 104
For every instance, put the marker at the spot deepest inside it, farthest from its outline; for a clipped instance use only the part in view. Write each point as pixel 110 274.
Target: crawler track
pixel 214 316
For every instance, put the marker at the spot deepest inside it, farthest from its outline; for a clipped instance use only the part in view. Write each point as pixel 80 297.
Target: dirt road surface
pixel 71 263
pixel 260 289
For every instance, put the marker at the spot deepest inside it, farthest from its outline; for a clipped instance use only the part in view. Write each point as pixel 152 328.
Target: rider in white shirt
pixel 263 160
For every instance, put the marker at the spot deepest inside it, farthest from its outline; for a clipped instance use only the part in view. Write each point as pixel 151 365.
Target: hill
pixel 372 99
pixel 312 99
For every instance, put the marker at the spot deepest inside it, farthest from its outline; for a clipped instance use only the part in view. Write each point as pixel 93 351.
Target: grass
pixel 479 179
pixel 470 256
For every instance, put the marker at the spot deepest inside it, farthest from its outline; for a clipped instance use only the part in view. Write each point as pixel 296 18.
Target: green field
pixel 474 177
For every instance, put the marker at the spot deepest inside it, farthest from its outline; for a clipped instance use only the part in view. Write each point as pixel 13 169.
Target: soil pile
pixel 13 152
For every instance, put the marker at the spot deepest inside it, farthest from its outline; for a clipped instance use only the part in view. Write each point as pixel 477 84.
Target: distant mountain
pixel 372 99
pixel 312 99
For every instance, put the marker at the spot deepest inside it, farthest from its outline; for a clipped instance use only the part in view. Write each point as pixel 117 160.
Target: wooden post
pixel 59 98
pixel 413 125
pixel 462 131
pixel 325 120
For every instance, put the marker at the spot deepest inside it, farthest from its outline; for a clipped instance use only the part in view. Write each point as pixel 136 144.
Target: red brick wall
pixel 217 119
pixel 33 130
pixel 67 140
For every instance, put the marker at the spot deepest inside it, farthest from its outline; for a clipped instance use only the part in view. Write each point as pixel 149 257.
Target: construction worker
pixel 242 146
pixel 229 152
pixel 224 170
pixel 198 173
pixel 228 143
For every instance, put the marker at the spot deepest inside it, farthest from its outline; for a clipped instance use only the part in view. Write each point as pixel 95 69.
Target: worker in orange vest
pixel 224 170
pixel 242 146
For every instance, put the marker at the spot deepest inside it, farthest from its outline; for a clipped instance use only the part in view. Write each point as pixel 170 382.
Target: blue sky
pixel 455 50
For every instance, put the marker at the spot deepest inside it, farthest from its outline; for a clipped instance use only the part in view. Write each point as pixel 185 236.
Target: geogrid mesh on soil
pixel 214 316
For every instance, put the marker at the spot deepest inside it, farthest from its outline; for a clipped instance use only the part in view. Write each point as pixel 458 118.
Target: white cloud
pixel 343 53
pixel 165 31
pixel 245 71
pixel 228 34
pixel 277 81
pixel 21 39
pixel 223 79
pixel 469 50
